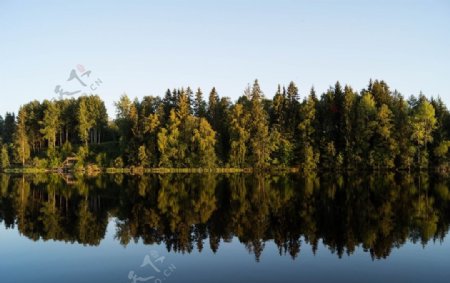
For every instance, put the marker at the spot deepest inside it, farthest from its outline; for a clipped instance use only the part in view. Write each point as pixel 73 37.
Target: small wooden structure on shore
pixel 68 164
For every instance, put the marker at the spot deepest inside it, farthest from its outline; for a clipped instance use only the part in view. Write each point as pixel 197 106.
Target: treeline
pixel 343 129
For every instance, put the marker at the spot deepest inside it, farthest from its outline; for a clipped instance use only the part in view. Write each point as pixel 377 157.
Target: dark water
pixel 224 228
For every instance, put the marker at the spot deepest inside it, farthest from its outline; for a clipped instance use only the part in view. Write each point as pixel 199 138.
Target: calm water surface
pixel 224 228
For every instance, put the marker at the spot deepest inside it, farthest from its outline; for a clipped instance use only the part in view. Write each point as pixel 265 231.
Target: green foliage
pixel 374 129
pixel 118 163
pixel 21 145
pixel 260 149
pixel 84 122
pixel 82 155
pixel 442 149
pixel 142 156
pixel 199 106
pixel 9 127
pixel 53 158
pixel 385 148
pixel 101 159
pixel 423 123
pixel 66 150
pixel 39 163
pixel 282 153
pixel 365 127
pixel 309 157
pixel 168 142
pixel 204 141
pixel 4 156
pixel 50 122
pixel 239 136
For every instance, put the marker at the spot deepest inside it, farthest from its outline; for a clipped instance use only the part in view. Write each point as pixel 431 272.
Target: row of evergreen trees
pixel 375 128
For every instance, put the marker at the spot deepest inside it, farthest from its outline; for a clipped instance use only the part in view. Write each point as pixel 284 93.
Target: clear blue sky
pixel 144 47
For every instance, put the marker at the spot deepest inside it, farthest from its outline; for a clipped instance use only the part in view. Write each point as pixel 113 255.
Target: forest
pixel 375 128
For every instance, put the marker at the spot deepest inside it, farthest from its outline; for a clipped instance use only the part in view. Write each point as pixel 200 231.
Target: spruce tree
pixel 199 106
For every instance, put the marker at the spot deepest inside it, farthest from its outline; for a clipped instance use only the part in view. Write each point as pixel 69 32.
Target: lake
pixel 224 228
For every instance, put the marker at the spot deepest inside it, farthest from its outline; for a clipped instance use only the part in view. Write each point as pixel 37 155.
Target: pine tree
pixel 50 123
pixel 35 114
pixel 278 113
pixel 309 157
pixel 338 132
pixel 4 156
pixel 239 136
pixel 204 140
pixel 169 102
pixel 385 150
pixel 164 149
pixel 364 130
pixel 381 93
pixel 292 93
pixel 142 156
pixel 9 128
pixel 328 127
pixel 292 109
pixel 260 149
pixel 151 128
pixel 2 128
pixel 217 116
pixel 222 131
pixel 282 148
pixel 84 123
pixel 403 132
pixel 347 123
pixel 441 136
pixel 183 110
pixel 185 129
pixel 99 117
pixel 168 140
pixel 68 121
pixel 127 121
pixel 423 124
pixel 212 112
pixel 21 144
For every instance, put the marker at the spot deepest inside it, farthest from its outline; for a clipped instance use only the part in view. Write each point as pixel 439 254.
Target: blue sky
pixel 144 47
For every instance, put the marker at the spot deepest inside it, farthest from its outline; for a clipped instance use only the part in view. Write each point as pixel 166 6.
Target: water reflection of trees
pixel 187 212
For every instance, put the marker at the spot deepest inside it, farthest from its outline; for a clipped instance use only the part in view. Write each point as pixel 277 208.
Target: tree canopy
pixel 342 129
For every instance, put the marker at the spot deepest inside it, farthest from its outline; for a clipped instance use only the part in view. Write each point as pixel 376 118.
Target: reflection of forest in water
pixel 189 211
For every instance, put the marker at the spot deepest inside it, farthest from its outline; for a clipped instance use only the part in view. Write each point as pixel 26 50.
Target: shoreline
pixel 219 170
